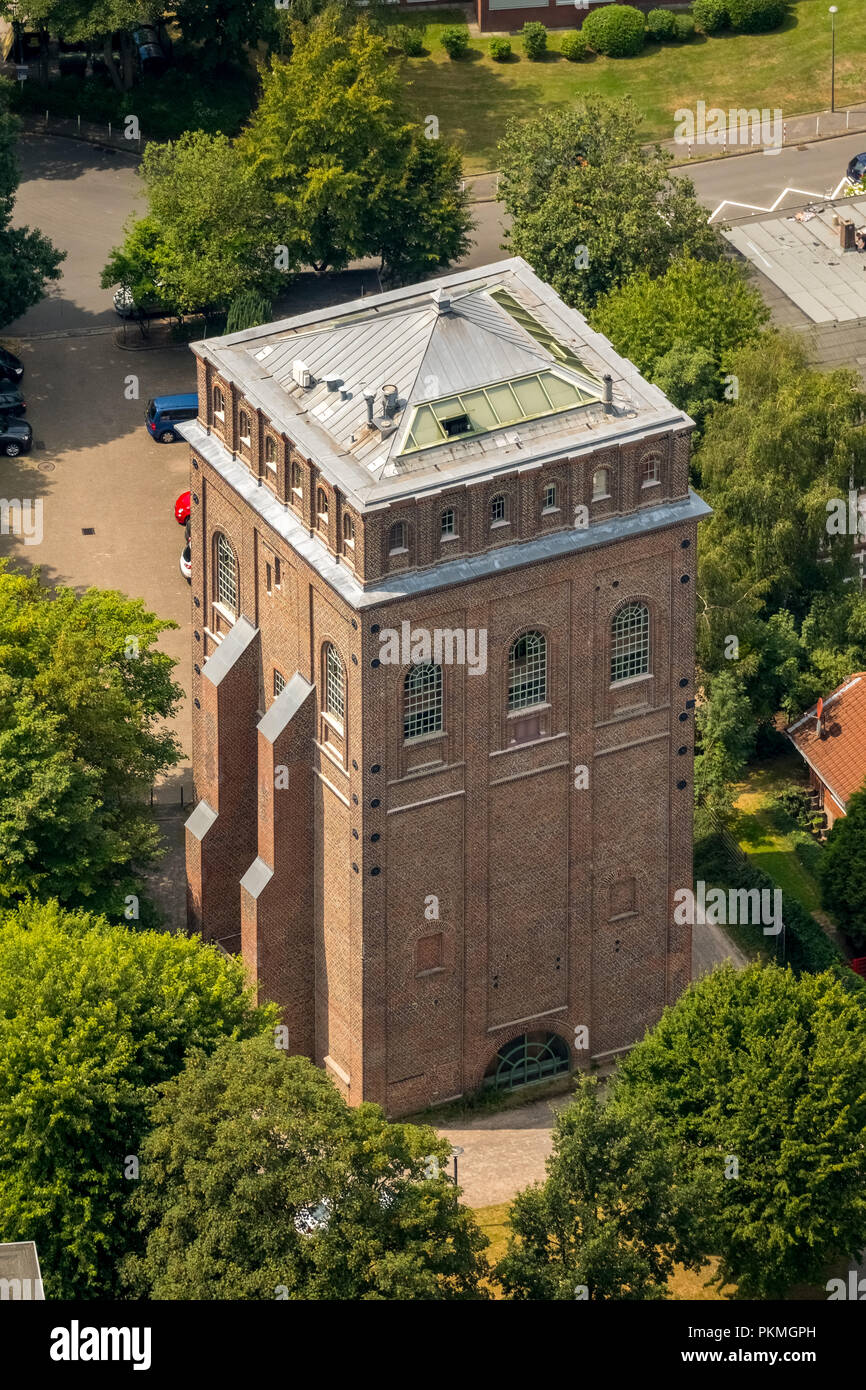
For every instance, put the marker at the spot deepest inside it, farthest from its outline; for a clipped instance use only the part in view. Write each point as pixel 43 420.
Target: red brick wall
pixel 552 16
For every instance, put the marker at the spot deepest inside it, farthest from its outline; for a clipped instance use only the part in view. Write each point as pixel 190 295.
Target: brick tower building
pixel 443 552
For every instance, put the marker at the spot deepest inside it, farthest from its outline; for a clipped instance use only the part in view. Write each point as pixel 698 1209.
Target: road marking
pixel 753 207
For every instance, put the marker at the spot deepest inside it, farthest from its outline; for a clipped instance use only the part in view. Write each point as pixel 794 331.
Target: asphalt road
pixel 759 179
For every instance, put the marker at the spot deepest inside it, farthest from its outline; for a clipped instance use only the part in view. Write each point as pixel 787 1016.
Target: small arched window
pixel 297 486
pixel 322 507
pixel 548 498
pixel 226 574
pixel 650 470
pixel 498 510
pixel 422 701
pixel 334 681
pixel 270 452
pixel 527 671
pixel 348 531
pixel 630 643
pixel 244 427
pixel 600 484
pixel 448 524
pixel 219 403
pixel 397 538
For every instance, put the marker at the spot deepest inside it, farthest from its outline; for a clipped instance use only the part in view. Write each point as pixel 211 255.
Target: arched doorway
pixel 531 1057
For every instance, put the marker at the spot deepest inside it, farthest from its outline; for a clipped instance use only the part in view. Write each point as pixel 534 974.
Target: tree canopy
pixel 28 260
pixel 84 696
pixel 305 1197
pixel 843 869
pixel 590 206
pixel 92 1015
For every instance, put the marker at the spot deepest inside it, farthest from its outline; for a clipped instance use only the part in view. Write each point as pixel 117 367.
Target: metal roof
pixel 431 341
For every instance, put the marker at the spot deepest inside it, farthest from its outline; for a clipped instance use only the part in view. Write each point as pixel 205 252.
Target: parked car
pixel 151 58
pixel 11 400
pixel 11 367
pixel 857 168
pixel 16 436
pixel 186 562
pixel 164 412
pixel 182 509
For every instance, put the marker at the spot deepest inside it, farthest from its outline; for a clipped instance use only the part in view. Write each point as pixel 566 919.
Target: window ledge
pixel 401 550
pixel 631 680
pixel 494 525
pixel 453 536
pixel 548 511
pixel 434 970
pixel 225 612
pixel 603 497
pixel 652 482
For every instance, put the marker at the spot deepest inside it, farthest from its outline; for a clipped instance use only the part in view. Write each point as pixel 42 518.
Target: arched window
pixel 322 507
pixel 297 487
pixel 244 427
pixel 219 403
pixel 498 510
pixel 334 703
pixel 397 538
pixel 422 701
pixel 527 671
pixel 270 452
pixel 650 470
pixel 531 1057
pixel 348 531
pixel 448 523
pixel 600 483
pixel 630 642
pixel 226 574
pixel 548 498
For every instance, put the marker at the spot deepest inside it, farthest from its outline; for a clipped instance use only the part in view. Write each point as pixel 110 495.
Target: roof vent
pixel 369 397
pixel 607 394
pixel 442 300
pixel 390 402
pixel 332 382
pixel 301 374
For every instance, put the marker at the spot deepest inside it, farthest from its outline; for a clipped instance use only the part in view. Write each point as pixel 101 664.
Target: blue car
pixel 164 412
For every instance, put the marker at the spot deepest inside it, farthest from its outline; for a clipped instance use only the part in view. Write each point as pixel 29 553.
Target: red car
pixel 859 966
pixel 182 509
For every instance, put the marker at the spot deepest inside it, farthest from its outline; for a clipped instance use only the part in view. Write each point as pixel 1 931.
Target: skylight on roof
pixel 490 407
pixel 536 330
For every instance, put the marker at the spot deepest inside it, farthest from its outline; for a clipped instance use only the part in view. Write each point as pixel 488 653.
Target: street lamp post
pixel 834 10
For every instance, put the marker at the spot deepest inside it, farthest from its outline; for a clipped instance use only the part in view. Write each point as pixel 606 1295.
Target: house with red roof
pixel 831 738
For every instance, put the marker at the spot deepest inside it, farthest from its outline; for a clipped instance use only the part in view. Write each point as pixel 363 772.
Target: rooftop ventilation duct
pixel 332 382
pixel 442 300
pixel 607 393
pixel 369 397
pixel 301 374
pixel 390 402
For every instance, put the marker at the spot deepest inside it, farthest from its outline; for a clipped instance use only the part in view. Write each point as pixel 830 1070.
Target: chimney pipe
pixel 369 397
pixel 607 394
pixel 846 234
pixel 389 401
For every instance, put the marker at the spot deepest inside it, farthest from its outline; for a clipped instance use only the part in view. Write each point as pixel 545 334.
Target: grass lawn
pixel 790 69
pixel 769 836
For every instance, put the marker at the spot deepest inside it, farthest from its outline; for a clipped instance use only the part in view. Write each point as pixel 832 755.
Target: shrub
pixel 660 24
pixel 573 46
pixel 500 49
pixel 407 40
pixel 757 16
pixel 534 39
pixel 617 31
pixel 684 27
pixel 711 15
pixel 72 64
pixel 455 40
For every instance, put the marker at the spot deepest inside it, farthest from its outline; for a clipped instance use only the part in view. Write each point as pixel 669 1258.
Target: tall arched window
pixel 498 509
pixel 334 679
pixel 244 427
pixel 348 531
pixel 600 483
pixel 630 642
pixel 422 701
pixel 219 403
pixel 226 574
pixel 297 487
pixel 322 507
pixel 527 671
pixel 270 452
pixel 650 470
pixel 397 537
pixel 448 523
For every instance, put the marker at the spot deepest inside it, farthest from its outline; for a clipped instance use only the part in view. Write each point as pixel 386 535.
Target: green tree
pixel 201 249
pixel 247 310
pixel 756 1077
pixel 610 1218
pixel 84 697
pixel 27 258
pixel 223 29
pixel 590 206
pixel 97 20
pixel 726 732
pixel 350 174
pixel 91 1017
pixel 680 328
pixel 258 1181
pixel 843 869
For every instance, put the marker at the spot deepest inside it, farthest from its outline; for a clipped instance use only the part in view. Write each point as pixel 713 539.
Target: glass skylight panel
pixel 536 330
pixel 490 407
